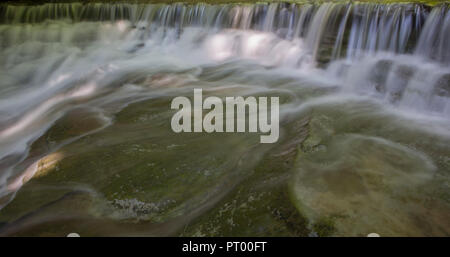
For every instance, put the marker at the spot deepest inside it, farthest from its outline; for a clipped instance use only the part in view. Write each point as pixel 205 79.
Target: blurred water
pixel 56 58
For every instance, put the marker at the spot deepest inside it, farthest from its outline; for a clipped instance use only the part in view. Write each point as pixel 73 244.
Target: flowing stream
pixel 86 144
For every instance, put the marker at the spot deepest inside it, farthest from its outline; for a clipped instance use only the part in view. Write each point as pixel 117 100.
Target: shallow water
pixel 86 144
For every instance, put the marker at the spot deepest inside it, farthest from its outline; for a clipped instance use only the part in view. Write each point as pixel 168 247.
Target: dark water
pixel 86 144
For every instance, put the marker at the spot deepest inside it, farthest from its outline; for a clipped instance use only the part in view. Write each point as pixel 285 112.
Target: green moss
pixel 261 203
pixel 324 226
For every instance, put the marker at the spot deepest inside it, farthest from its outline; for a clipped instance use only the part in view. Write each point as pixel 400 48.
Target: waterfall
pixel 356 28
pixel 54 56
pixel 435 40
pixel 406 38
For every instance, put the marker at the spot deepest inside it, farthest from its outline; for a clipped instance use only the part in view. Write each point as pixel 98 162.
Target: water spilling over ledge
pixel 358 27
pixel 85 92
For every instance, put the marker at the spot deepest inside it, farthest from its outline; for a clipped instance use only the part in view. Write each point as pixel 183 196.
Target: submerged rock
pixel 357 184
pixel 380 75
pixel 442 86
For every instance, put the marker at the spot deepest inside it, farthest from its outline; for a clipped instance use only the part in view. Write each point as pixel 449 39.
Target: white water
pixel 57 57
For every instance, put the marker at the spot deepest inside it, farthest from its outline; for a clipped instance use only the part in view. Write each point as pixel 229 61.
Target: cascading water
pixel 391 62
